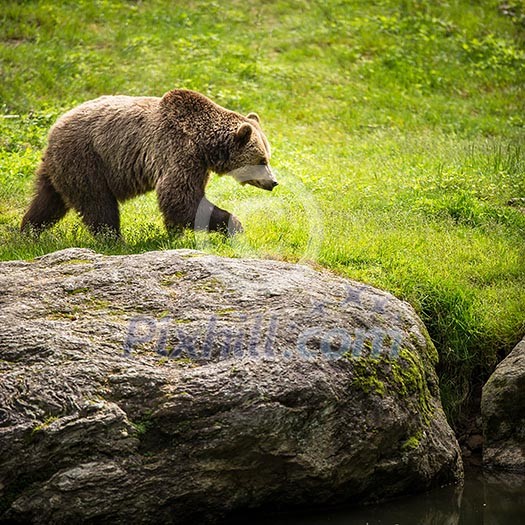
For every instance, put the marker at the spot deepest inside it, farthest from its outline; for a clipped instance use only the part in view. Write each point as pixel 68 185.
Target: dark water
pixel 484 499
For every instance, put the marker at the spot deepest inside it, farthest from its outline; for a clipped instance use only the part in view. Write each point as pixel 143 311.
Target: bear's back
pixel 95 115
pixel 113 129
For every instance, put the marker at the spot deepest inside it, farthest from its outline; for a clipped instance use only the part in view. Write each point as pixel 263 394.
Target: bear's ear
pixel 253 116
pixel 243 134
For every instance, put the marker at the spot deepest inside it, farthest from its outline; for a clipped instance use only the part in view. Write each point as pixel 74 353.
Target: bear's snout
pixel 263 184
pixel 260 176
pixel 270 185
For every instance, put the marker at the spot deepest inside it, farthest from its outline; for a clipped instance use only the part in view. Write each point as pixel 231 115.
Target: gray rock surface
pixel 176 386
pixel 503 413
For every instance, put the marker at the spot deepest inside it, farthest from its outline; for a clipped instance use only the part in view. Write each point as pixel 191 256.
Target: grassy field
pixel 397 130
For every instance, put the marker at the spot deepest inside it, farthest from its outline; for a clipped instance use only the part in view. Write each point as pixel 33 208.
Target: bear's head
pixel 249 154
pixel 229 143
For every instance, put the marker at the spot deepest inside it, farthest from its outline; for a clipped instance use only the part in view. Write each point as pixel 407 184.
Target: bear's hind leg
pixel 47 206
pixel 101 215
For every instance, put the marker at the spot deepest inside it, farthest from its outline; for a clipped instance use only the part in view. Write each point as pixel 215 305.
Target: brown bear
pixel 111 149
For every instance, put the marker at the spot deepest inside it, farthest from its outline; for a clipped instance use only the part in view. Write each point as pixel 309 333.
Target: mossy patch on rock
pixel 410 379
pixel 412 442
pixel 402 376
pixel 365 375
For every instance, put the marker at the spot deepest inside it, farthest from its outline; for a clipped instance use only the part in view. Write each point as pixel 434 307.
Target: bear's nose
pixel 274 183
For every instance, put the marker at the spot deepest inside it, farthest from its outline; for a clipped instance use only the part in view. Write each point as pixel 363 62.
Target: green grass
pixel 397 129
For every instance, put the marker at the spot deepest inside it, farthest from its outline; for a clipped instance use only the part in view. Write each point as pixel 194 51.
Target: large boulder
pixel 177 387
pixel 503 413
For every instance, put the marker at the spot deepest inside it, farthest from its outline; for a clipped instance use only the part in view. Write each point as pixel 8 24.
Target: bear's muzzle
pixel 260 176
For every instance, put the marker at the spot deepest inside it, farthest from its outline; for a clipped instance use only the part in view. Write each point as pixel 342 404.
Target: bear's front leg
pixel 185 206
pixel 210 217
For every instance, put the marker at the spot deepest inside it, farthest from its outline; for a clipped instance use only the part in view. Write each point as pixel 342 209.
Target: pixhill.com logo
pixel 261 336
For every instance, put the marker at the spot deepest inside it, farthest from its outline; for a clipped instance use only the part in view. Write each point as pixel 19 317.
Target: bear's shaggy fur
pixel 113 148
